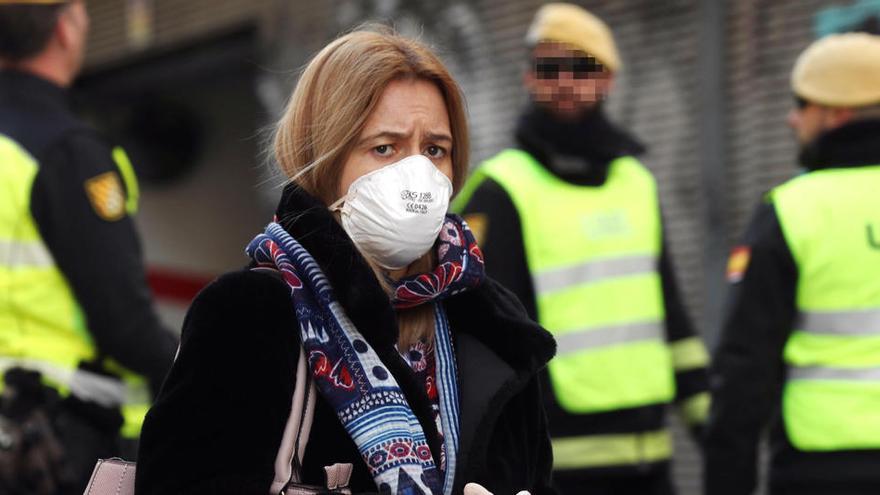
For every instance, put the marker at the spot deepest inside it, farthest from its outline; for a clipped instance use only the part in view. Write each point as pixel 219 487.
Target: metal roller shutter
pixel 174 22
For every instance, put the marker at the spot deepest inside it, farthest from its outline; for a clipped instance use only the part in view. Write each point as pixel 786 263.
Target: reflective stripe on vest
pixel 593 255
pixel 859 322
pixel 25 254
pixel 42 326
pixel 834 374
pixel 592 271
pixel 831 399
pixel 611 450
pixel 593 338
pixel 100 389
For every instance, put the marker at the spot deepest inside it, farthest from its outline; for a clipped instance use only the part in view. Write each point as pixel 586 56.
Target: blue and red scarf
pixel 351 377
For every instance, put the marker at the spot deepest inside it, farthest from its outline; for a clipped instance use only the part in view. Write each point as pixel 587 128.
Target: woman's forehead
pixel 409 104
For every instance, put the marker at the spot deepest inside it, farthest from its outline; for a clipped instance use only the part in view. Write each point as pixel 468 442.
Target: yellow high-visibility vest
pixel 593 254
pixel 42 326
pixel 831 223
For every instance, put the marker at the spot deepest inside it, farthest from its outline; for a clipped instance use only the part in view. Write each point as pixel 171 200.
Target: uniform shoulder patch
pixel 106 195
pixel 479 224
pixel 738 263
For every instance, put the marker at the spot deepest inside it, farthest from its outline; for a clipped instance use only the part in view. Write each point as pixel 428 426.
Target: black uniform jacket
pixel 579 153
pixel 748 370
pixel 100 259
pixel 217 423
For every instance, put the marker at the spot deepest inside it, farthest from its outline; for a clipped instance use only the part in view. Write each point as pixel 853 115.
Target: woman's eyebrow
pixel 438 136
pixel 397 135
pixel 392 135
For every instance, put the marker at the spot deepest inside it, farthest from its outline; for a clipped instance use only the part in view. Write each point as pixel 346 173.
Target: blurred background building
pixel 191 88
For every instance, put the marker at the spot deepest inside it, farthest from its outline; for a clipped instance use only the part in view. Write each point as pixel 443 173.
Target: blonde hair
pixel 329 108
pixel 338 91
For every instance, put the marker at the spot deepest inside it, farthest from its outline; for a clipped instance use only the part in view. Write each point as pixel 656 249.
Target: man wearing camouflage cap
pixel 800 349
pixel 80 342
pixel 570 221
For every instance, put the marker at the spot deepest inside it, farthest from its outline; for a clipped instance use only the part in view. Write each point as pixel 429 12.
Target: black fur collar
pixel 490 312
pixel 852 145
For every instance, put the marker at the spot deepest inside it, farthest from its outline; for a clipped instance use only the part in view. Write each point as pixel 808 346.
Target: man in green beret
pixel 800 348
pixel 570 221
pixel 81 347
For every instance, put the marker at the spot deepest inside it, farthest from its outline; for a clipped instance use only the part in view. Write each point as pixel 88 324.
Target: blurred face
pixel 73 26
pixel 409 119
pixel 809 120
pixel 566 81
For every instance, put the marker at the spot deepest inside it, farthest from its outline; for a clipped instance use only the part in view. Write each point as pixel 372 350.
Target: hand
pixel 477 489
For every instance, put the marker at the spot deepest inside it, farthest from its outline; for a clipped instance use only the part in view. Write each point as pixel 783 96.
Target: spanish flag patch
pixel 106 196
pixel 738 263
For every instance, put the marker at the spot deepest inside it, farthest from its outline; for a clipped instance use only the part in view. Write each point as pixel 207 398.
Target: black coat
pixel 218 421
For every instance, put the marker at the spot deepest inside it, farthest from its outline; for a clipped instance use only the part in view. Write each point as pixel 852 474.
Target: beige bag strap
pixel 296 431
pixel 111 477
pixel 288 461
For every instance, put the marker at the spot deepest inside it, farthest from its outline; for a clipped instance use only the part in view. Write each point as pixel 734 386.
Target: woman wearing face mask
pixel 425 369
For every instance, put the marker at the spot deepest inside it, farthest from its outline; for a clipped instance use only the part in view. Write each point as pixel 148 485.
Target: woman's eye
pixel 383 150
pixel 435 152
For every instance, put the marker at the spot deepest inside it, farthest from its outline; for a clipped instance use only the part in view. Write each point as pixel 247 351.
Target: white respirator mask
pixel 394 214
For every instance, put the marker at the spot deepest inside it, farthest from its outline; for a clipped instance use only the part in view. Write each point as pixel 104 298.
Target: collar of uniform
pixel 852 145
pixel 29 87
pixel 575 151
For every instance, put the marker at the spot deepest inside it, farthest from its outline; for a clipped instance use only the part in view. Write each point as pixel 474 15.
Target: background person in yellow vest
pixel 74 304
pixel 570 221
pixel 800 349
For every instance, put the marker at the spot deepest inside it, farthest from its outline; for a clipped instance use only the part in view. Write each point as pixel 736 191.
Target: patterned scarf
pixel 351 377
pixel 460 268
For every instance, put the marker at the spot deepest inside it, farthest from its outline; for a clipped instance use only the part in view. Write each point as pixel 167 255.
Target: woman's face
pixel 409 119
